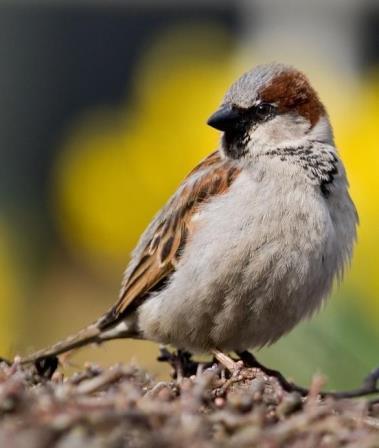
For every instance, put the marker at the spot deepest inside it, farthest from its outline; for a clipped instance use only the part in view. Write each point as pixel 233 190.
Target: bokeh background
pixel 102 112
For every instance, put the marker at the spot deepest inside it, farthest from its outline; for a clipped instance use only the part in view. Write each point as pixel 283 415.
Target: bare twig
pixel 368 387
pixel 123 404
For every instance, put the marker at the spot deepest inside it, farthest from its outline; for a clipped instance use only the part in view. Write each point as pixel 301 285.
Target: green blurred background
pixel 102 112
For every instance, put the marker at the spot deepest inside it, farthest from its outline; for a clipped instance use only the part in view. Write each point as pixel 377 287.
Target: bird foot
pixel 181 362
pixel 183 365
pixel 227 362
pixel 46 366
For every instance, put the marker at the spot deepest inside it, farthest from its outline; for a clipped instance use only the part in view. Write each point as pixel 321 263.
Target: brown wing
pixel 172 228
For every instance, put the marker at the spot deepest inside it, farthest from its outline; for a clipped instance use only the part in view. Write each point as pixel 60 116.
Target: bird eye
pixel 264 110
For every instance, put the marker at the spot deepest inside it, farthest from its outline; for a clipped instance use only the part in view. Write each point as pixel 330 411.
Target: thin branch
pixel 368 387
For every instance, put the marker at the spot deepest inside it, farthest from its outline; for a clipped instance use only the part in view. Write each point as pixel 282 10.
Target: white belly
pixel 263 257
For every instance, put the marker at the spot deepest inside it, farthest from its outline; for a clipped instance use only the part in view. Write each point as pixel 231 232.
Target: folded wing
pixel 165 240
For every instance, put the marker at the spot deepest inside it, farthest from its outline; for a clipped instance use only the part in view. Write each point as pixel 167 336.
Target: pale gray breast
pixel 275 260
pixel 263 256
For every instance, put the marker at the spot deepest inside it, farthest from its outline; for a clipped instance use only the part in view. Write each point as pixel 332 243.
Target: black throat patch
pixel 235 143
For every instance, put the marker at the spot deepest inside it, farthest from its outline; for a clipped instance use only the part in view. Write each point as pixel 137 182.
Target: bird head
pixel 270 106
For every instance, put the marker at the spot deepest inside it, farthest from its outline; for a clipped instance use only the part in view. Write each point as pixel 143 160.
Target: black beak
pixel 225 119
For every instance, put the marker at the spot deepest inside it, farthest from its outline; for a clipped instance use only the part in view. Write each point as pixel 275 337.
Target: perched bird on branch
pixel 254 237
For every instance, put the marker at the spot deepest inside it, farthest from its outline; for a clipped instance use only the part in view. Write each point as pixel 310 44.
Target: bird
pixel 254 238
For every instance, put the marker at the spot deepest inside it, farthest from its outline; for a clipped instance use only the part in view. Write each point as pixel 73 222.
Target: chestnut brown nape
pixel 291 91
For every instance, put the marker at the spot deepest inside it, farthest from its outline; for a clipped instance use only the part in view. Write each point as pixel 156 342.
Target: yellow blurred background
pixel 104 110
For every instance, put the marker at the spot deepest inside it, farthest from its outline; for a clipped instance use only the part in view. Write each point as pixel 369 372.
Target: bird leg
pixel 184 366
pixel 181 362
pixel 226 361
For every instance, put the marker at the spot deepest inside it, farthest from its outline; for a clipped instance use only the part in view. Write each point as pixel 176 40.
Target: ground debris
pixel 124 406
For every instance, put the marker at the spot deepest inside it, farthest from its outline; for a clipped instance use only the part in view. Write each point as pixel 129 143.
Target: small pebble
pixel 219 402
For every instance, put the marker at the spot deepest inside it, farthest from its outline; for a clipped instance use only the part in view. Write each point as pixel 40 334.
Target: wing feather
pixel 164 241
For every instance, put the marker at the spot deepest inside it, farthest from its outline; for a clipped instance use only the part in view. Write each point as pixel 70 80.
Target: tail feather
pixel 94 333
pixel 88 335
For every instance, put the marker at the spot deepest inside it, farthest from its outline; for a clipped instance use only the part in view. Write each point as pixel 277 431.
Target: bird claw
pixel 180 361
pixel 46 366
pixel 184 366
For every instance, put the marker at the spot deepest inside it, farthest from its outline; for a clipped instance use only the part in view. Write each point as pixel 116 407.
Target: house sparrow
pixel 252 240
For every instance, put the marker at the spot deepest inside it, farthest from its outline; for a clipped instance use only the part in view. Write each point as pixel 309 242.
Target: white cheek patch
pixel 282 129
